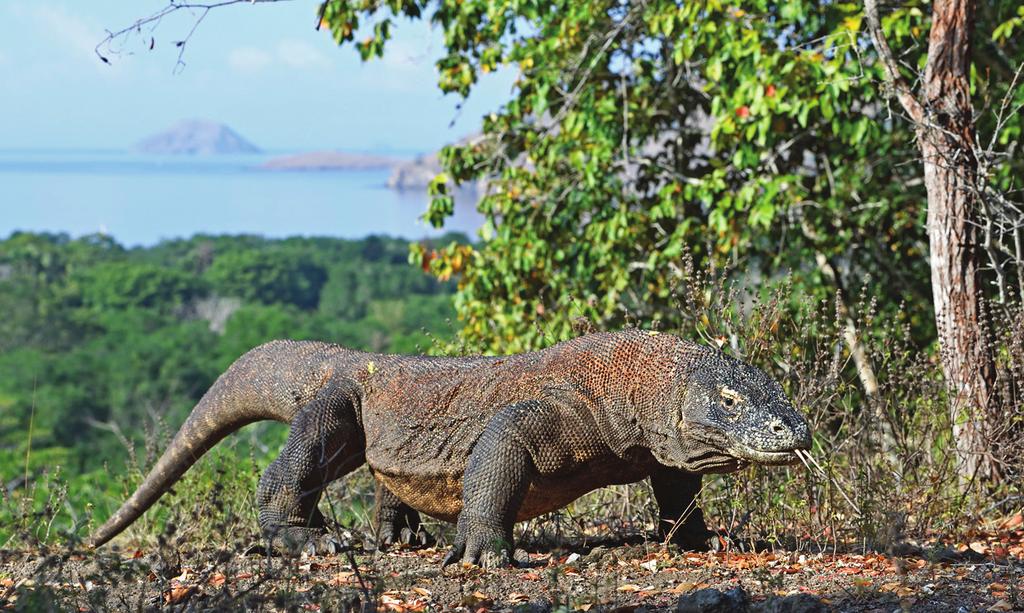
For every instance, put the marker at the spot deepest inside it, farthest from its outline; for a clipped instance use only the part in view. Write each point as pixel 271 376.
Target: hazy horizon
pixel 261 69
pixel 141 199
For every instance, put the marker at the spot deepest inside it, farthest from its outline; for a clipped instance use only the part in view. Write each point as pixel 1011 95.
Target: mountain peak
pixel 196 137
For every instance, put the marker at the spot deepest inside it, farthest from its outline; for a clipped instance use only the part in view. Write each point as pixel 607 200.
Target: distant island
pixel 196 137
pixel 331 160
pixel 415 174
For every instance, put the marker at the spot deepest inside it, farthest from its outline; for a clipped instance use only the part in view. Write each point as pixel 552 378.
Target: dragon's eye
pixel 730 399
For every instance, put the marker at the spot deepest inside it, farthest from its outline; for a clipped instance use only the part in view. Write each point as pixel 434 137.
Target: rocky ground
pixel 984 575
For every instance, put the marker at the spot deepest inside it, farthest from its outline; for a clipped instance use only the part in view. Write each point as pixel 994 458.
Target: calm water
pixel 142 199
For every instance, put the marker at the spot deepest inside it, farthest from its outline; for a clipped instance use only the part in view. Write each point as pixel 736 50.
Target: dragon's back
pixel 422 415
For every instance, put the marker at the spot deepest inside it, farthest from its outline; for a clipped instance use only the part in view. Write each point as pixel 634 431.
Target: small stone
pixel 710 600
pixel 521 558
pixel 599 556
pixel 794 603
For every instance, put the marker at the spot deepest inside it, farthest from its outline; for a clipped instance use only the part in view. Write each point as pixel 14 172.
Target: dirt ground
pixel 983 576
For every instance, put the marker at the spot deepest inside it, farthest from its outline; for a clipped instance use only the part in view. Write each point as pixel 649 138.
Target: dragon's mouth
pixel 775 458
pixel 722 464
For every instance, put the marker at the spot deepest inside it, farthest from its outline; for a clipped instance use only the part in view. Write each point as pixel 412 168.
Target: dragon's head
pixel 729 414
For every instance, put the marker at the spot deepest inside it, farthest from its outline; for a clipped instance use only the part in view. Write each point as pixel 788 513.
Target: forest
pixel 101 344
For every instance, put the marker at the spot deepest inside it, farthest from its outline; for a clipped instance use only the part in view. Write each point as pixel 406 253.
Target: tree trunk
pixel 944 122
pixel 946 138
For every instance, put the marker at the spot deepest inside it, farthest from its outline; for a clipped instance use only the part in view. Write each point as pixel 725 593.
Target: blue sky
pixel 261 68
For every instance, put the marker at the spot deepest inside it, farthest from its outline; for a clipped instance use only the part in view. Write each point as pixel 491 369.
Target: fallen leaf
pixel 1014 521
pixel 422 591
pixel 979 547
pixel 217 579
pixel 1002 605
pixel 391 603
pixel 178 593
pixel 342 577
pixel 477 598
pixel 629 587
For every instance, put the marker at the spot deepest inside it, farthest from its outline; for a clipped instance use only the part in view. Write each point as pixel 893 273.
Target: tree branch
pixel 893 76
pixel 154 18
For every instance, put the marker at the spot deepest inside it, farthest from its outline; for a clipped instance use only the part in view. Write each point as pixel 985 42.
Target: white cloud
pixel 64 28
pixel 300 54
pixel 411 56
pixel 249 59
pixel 293 54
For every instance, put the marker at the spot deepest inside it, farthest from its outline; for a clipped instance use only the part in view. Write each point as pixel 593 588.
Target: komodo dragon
pixel 486 441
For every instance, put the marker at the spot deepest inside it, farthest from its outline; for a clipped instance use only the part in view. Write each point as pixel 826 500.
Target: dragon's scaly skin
pixel 487 441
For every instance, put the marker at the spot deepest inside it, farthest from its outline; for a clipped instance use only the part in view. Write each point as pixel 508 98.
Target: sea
pixel 140 199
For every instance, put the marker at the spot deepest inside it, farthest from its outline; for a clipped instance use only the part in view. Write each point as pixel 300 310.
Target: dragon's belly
pixel 550 493
pixel 440 495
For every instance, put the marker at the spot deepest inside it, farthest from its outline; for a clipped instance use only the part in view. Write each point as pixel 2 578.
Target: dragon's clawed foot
pixel 693 536
pixel 483 548
pixel 296 540
pixel 406 537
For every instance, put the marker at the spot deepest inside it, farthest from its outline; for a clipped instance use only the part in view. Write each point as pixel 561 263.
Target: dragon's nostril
pixel 777 428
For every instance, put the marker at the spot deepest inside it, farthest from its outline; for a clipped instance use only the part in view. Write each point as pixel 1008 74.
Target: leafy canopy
pixel 752 134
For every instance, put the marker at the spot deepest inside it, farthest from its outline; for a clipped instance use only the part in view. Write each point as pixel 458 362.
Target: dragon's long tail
pixel 249 391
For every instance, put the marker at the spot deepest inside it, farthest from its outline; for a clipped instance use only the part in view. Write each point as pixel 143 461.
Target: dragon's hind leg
pixel 397 522
pixel 324 444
